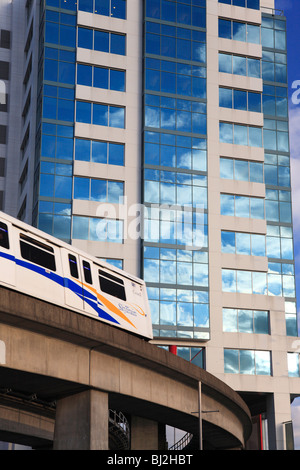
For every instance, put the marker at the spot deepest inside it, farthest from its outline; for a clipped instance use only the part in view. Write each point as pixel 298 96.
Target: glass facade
pixel 277 164
pixel 58 111
pixel 56 115
pixel 175 247
pixel 175 251
pixel 243 361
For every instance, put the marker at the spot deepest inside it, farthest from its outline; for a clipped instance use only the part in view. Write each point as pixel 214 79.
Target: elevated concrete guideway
pixel 51 355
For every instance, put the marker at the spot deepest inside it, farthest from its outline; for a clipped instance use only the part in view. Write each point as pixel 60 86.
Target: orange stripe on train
pixel 108 304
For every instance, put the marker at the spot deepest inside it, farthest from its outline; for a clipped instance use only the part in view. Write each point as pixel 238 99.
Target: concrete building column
pixel 82 422
pixel 278 413
pixel 144 434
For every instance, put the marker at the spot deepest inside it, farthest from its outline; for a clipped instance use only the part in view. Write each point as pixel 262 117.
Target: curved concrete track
pixel 52 355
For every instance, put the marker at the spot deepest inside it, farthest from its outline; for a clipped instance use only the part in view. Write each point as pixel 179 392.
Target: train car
pixel 39 265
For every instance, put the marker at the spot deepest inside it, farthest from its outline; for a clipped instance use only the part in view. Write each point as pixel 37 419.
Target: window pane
pixel 83 112
pixel 230 320
pixel 99 152
pixel 118 9
pixel 242 206
pixel 117 80
pixel 253 34
pixel 254 69
pixel 241 170
pixel 258 245
pixel 239 65
pixel 224 29
pixel 240 100
pixel 225 97
pixel 99 190
pixel 231 361
pixel 85 38
pixel 81 188
pixel 101 77
pixel 239 31
pixel 244 282
pixel 228 280
pixel 225 63
pixel 259 283
pixel 100 114
pixel 255 136
pixel 226 133
pixel 118 44
pixel 247 365
pixel 227 204
pixel 254 102
pixel 257 208
pixel 101 41
pixel 262 363
pixel 116 154
pixel 115 192
pixel 84 75
pixel 243 244
pixel 240 135
pixel 116 117
pixel 245 321
pixel 228 242
pixel 226 168
pixel 261 322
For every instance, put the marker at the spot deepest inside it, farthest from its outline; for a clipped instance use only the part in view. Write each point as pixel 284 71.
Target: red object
pixel 173 350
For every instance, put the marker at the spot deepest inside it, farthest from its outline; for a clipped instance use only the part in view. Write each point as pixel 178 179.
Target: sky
pixel 291 9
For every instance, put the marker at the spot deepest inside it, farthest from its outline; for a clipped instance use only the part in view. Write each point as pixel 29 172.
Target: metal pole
pixel 200 417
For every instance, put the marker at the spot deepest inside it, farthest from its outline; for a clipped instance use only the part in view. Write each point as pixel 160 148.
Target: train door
pixel 72 279
pixel 7 256
pixel 89 290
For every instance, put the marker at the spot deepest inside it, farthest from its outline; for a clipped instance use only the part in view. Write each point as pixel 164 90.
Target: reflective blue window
pixel 95 229
pixel 98 190
pixel 101 77
pixel 242 206
pixel 239 65
pixel 253 4
pixel 99 152
pixel 238 99
pixel 100 114
pixel 247 362
pixel 83 112
pixel 104 41
pixel 114 8
pixel 239 31
pixel 240 134
pixel 84 75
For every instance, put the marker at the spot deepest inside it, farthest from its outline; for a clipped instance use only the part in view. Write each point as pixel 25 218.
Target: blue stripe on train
pixel 84 294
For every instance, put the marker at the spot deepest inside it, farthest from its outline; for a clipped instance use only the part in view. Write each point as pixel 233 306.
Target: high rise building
pixel 154 134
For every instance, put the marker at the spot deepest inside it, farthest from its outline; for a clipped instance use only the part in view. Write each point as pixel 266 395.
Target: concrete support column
pixel 278 413
pixel 82 422
pixel 144 434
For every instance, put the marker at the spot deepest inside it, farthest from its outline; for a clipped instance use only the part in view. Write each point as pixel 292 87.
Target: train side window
pixel 4 241
pixel 112 285
pixel 87 272
pixel 73 266
pixel 37 252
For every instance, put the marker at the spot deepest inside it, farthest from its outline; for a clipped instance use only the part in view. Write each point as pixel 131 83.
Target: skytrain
pixel 39 265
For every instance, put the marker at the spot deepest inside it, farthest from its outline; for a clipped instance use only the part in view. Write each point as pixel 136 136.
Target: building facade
pixel 154 134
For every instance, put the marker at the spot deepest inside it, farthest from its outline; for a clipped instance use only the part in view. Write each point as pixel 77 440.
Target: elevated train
pixel 41 266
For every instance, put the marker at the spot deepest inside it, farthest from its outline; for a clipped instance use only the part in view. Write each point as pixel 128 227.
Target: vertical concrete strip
pixel 2 353
pixel 144 434
pixel 82 422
